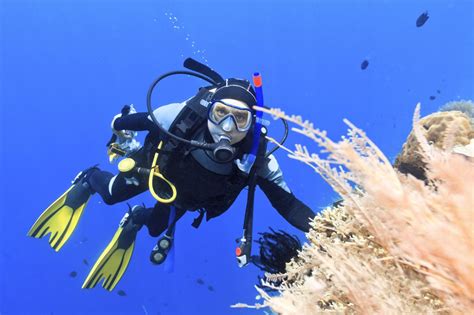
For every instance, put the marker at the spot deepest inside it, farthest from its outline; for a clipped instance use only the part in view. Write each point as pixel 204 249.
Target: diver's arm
pixel 271 181
pixel 135 122
pixel 142 121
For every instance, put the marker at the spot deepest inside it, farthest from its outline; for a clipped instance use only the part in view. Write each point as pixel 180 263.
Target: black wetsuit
pixel 198 188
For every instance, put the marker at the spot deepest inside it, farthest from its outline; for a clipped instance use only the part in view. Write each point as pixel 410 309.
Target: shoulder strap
pixel 193 114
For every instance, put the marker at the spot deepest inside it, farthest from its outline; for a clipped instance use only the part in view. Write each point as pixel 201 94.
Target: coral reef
pixel 454 121
pixel 396 244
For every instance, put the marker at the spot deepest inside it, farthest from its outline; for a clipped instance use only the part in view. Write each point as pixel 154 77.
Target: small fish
pixel 72 274
pixel 421 20
pixel 438 91
pixel 121 293
pixel 432 97
pixel 85 262
pixel 364 64
pixel 210 288
pixel 200 281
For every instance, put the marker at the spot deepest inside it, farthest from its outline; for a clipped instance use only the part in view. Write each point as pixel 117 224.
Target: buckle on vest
pixel 197 221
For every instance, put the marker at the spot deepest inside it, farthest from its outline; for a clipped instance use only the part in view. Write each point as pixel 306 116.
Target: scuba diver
pixel 198 155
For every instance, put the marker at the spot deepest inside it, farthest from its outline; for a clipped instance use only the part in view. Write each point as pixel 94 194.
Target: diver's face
pixel 229 119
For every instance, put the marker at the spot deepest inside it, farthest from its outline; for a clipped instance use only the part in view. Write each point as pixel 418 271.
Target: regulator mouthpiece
pixel 224 152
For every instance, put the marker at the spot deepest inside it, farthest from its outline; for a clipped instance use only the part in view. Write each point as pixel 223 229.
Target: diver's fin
pixel 61 217
pixel 113 261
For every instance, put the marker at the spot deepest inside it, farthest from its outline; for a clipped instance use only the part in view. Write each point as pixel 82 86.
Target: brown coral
pixel 435 127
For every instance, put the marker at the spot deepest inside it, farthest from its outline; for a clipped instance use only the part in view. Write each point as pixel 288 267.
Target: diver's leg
pixel 114 189
pixel 163 218
pixel 158 217
pixel 113 262
pixel 61 218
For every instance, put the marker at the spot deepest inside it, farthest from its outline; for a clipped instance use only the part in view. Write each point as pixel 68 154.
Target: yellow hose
pixel 155 171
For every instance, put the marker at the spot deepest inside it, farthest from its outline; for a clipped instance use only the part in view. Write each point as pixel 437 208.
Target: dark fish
pixel 72 274
pixel 121 293
pixel 210 288
pixel 85 262
pixel 421 20
pixel 364 64
pixel 200 281
pixel 432 97
pixel 438 91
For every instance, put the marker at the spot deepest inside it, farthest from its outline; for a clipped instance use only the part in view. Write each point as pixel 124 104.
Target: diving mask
pixel 221 111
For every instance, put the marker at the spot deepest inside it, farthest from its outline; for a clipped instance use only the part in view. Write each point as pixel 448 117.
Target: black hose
pixel 202 145
pixel 282 141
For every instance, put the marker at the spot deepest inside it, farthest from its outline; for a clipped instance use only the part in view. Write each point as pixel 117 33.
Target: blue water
pixel 67 67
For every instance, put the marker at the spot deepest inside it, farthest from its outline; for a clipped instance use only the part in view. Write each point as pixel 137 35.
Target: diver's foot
pixel 84 175
pixel 140 214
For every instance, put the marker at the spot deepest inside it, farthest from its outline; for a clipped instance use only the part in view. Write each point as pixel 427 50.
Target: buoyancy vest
pixel 198 187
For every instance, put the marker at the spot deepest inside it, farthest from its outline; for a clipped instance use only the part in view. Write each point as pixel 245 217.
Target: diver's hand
pixel 128 109
pixel 124 134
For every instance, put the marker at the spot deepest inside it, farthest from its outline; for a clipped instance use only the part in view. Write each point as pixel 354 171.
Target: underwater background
pixel 67 67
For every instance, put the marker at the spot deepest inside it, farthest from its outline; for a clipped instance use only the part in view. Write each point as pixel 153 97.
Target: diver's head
pixel 230 114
